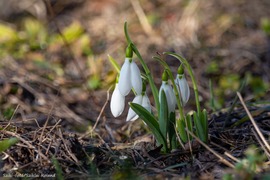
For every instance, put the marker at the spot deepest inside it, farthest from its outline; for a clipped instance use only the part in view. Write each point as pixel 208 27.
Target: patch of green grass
pixel 8 112
pixel 7 143
pixel 249 166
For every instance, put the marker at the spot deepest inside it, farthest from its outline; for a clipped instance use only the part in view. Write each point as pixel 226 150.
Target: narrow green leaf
pixel 58 169
pixel 242 86
pixel 212 96
pixel 7 143
pixel 163 115
pixel 114 63
pixel 189 123
pixel 205 120
pixel 205 124
pixel 201 124
pixel 151 122
pixel 198 125
pixel 181 130
pixel 171 131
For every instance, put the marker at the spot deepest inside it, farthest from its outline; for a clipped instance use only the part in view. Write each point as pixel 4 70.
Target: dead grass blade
pixel 261 143
pixel 47 120
pixel 221 159
pixel 11 117
pixel 99 116
pixel 142 17
pixel 254 124
pixel 29 145
pixel 226 153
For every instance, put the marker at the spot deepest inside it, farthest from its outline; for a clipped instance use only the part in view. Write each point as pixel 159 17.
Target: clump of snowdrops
pixel 170 125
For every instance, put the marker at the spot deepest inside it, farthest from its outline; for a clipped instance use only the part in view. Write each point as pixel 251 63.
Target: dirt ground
pixel 58 107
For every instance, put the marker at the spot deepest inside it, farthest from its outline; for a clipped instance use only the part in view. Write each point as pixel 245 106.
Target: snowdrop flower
pixel 182 85
pixel 130 76
pixel 141 99
pixel 167 88
pixel 117 102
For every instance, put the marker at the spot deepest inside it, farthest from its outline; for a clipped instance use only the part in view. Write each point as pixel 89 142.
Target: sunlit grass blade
pixel 214 104
pixel 151 122
pixel 114 63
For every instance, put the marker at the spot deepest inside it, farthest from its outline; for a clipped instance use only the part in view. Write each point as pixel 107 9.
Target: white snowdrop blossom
pixel 142 100
pixel 117 102
pixel 182 88
pixel 130 77
pixel 171 101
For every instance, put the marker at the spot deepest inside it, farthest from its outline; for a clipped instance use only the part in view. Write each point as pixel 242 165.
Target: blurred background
pixel 54 54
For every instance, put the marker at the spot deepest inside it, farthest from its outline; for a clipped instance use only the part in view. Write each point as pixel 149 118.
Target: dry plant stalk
pixel 267 150
pixel 142 17
pixel 221 159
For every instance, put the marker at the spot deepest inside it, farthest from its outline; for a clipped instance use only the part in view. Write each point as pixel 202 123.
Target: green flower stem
pixel 167 69
pixel 180 107
pixel 145 67
pixel 195 87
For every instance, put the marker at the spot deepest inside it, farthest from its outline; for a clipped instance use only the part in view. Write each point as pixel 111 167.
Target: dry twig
pixel 254 123
pixel 221 159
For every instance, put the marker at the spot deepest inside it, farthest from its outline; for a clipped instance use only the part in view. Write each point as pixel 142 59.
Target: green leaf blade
pixel 163 114
pixel 114 63
pixel 171 131
pixel 151 122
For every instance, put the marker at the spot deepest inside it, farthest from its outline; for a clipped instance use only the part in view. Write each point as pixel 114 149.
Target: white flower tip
pixel 116 114
pixel 132 118
pixel 131 115
pixel 117 104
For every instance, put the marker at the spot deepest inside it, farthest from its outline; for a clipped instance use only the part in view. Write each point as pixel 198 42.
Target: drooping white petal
pixel 169 95
pixel 135 118
pixel 183 88
pixel 117 102
pixel 124 78
pixel 146 103
pixel 178 88
pixel 131 114
pixel 170 98
pixel 136 79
